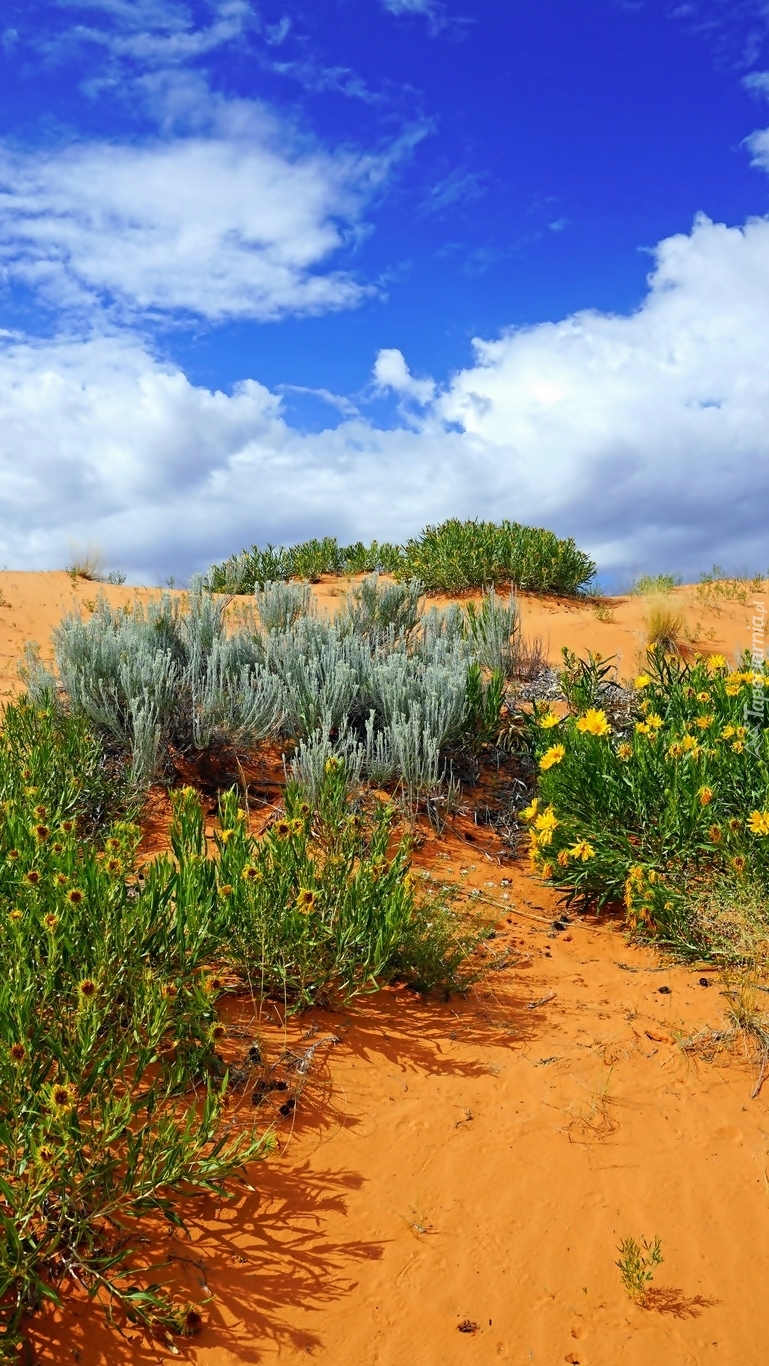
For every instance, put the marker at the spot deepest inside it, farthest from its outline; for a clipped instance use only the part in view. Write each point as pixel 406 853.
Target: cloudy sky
pixel 279 268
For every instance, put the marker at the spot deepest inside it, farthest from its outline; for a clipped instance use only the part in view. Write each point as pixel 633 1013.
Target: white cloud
pixel 408 6
pixel 392 372
pixel 235 223
pixel 646 436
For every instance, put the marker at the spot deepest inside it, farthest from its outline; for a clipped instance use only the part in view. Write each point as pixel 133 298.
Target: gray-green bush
pixel 382 687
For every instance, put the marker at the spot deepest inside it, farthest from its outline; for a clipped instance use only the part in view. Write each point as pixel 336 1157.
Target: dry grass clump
pixel 665 630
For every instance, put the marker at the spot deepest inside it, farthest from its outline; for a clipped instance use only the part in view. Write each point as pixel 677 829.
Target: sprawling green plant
pixel 459 555
pixel 109 1101
pixel 651 812
pixel 111 1082
pixel 326 905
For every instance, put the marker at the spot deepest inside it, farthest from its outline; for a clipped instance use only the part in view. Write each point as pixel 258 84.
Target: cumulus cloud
pixel 227 225
pixel 392 372
pixel 644 435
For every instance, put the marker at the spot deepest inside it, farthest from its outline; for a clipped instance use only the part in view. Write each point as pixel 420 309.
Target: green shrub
pixel 649 584
pixel 651 813
pixel 309 560
pixel 458 555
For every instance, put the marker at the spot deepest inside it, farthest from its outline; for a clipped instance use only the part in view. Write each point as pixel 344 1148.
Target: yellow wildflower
pixel 727 732
pixel 689 742
pixel 733 686
pixel 546 870
pixel 563 858
pixel 675 750
pixel 654 722
pixel 582 850
pixel 552 756
pixel 703 696
pixel 529 812
pixel 594 722
pixel 705 795
pixel 758 822
pixel 704 721
pixel 545 824
pixel 624 751
pixel 642 681
pixel 547 720
pixel 715 663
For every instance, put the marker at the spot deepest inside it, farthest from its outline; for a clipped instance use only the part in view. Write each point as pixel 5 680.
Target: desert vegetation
pixel 660 804
pixel 113 1081
pixel 124 1089
pixel 449 558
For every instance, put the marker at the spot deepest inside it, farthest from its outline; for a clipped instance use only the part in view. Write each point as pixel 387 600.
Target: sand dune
pixel 457 1176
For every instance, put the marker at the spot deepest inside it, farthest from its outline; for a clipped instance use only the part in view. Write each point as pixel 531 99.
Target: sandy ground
pixel 31 604
pixel 456 1178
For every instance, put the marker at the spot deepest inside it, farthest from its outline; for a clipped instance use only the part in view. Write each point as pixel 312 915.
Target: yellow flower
pixel 703 696
pixel 530 811
pixel 545 825
pixel 727 732
pixel 546 870
pixel 705 795
pixel 704 721
pixel 643 727
pixel 689 742
pixel 715 663
pixel 582 850
pixel 654 722
pixel 738 746
pixel 548 720
pixel 563 858
pixel 552 756
pixel 305 901
pixel 594 722
pixel 624 751
pixel 758 822
pixel 715 834
pixel 675 750
pixel 642 681
pixel 733 687
pixel 740 732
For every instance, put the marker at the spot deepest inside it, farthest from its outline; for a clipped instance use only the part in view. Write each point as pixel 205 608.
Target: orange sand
pixel 477 1162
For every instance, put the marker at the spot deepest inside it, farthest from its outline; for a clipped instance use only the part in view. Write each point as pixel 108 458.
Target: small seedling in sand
pixel 604 612
pixel 418 1221
pixel 636 1266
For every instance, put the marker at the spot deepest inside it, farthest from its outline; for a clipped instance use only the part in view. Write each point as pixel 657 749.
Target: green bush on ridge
pixel 449 558
pixel 459 555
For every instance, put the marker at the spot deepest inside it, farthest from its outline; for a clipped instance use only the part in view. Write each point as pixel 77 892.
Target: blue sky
pixel 274 269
